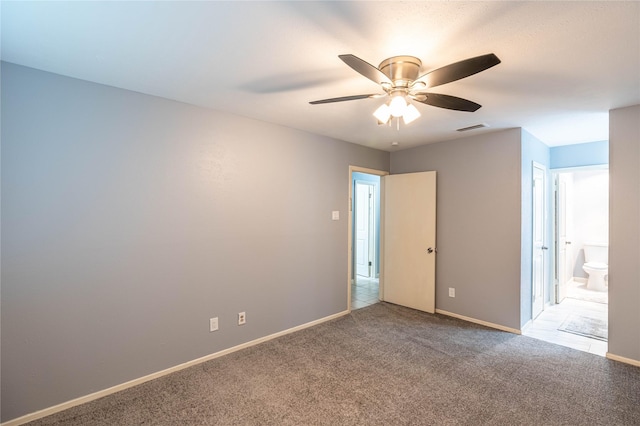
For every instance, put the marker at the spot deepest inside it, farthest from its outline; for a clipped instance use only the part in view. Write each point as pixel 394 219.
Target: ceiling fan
pixel 399 77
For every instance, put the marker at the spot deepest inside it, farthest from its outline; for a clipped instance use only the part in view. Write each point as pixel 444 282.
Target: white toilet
pixel 596 256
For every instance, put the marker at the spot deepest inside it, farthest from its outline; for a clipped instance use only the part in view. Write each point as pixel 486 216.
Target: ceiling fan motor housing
pixel 401 70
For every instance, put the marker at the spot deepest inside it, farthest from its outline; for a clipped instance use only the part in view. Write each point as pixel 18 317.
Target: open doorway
pixel 364 288
pixel 578 315
pixel 365 279
pixel 401 270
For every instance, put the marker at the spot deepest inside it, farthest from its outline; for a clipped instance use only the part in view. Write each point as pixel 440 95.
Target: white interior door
pixel 563 247
pixel 364 226
pixel 408 268
pixel 538 273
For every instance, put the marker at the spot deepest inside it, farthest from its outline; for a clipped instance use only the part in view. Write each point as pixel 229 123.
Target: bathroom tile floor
pixel 545 327
pixel 364 292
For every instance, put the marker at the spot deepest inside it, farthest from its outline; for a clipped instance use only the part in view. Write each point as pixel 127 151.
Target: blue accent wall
pixel 578 155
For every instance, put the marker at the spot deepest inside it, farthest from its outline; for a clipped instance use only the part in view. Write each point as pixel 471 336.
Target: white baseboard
pixel 93 396
pixel 623 359
pixel 481 322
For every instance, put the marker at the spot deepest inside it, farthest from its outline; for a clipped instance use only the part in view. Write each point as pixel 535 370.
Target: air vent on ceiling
pixel 477 126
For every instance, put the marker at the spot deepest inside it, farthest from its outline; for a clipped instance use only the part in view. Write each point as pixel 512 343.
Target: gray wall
pixel 129 220
pixel 478 222
pixel 624 232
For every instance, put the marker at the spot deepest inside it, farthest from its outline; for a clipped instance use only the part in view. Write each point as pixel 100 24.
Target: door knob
pixel 431 250
pixel 545 248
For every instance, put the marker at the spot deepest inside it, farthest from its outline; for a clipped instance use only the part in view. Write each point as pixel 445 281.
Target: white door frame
pixel 537 309
pixel 562 252
pixel 353 169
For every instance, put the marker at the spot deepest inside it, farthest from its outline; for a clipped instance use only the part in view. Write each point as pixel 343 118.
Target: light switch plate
pixel 335 215
pixel 213 324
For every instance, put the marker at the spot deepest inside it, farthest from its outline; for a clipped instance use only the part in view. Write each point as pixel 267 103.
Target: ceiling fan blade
pixel 446 101
pixel 343 98
pixel 458 70
pixel 366 69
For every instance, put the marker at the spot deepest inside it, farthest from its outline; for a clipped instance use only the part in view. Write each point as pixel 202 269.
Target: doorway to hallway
pixel 403 255
pixel 365 236
pixel 365 289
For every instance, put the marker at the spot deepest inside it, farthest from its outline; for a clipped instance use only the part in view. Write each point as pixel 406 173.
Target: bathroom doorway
pixel 578 313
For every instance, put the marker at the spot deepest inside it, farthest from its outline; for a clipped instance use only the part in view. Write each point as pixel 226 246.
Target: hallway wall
pixel 624 233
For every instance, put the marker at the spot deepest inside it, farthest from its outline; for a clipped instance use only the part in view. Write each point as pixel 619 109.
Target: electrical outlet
pixel 242 318
pixel 213 324
pixel 452 292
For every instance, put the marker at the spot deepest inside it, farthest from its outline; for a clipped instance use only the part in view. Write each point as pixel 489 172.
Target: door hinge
pixel 370 264
pixel 350 204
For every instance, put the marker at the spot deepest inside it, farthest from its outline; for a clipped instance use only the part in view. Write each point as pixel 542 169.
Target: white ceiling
pixel 564 64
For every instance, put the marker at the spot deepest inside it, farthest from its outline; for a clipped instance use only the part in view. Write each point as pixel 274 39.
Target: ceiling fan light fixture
pixel 410 114
pixel 399 78
pixel 398 105
pixel 383 113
